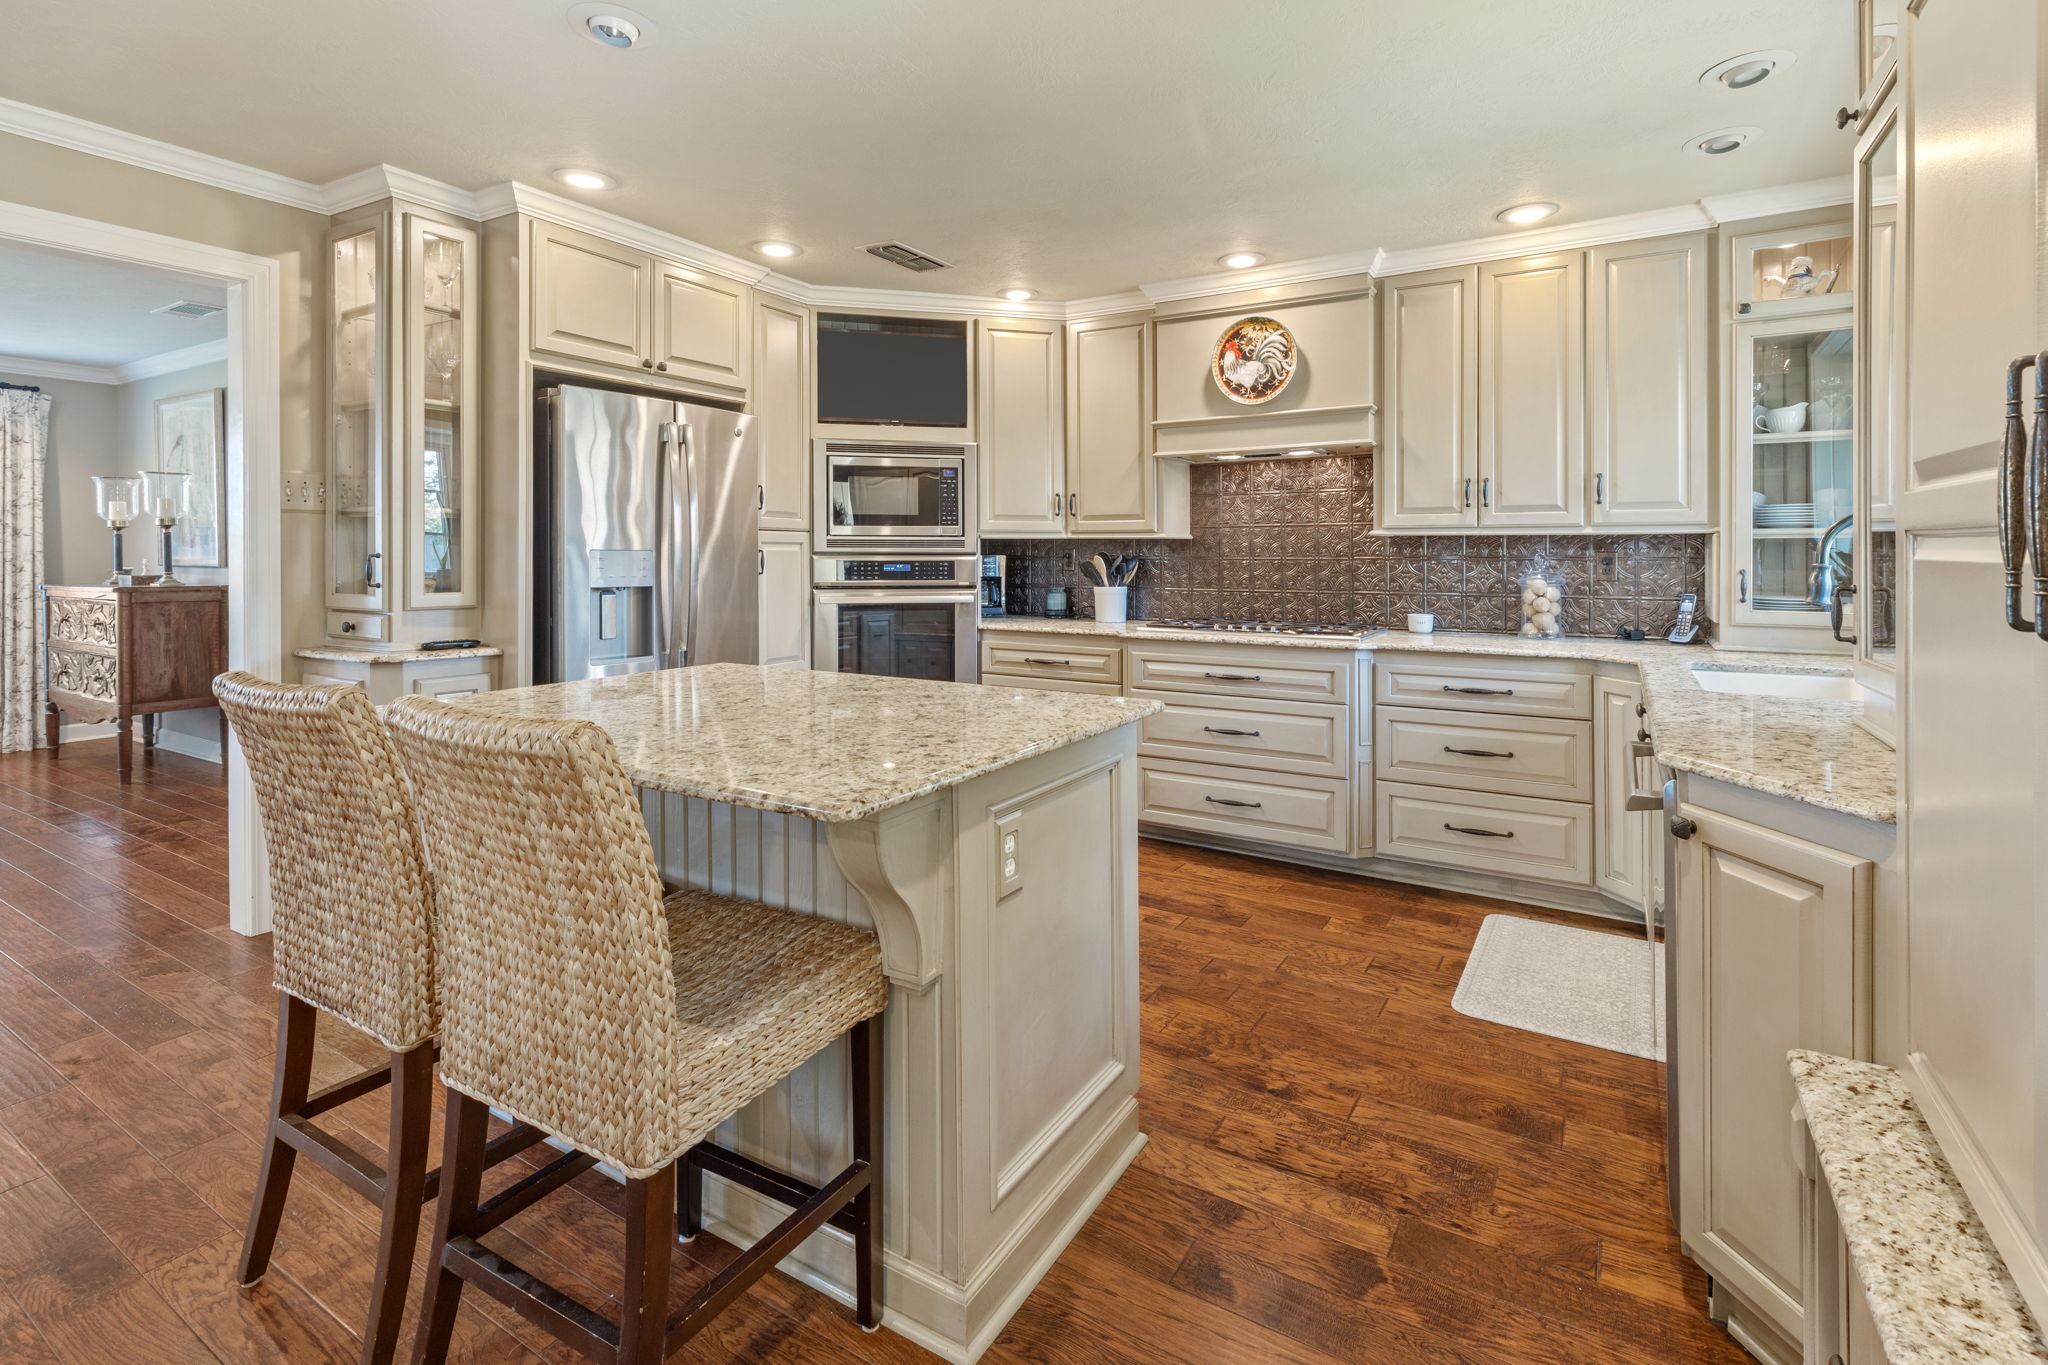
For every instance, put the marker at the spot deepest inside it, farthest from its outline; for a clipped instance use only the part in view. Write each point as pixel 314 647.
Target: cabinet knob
pixel 1845 116
pixel 646 364
pixel 662 366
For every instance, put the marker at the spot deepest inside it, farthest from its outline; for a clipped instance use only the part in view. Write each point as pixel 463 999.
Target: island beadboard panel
pixel 1293 540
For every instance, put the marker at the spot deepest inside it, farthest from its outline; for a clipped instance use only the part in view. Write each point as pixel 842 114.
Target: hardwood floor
pixel 1341 1168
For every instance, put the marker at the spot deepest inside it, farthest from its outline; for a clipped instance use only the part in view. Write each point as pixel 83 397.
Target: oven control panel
pixel 921 571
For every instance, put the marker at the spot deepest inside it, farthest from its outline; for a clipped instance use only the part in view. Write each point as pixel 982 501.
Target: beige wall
pixel 83 421
pixel 65 181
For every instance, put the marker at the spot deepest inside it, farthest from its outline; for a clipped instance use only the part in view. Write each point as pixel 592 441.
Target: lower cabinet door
pixel 1772 938
pixel 1510 836
pixel 785 599
pixel 1622 838
pixel 1244 803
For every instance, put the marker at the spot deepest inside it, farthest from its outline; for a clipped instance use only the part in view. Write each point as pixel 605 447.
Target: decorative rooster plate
pixel 1254 360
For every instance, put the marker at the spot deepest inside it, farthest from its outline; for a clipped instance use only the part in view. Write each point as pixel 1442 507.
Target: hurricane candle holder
pixel 117 497
pixel 164 492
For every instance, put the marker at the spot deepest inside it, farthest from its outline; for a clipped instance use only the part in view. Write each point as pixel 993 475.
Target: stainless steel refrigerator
pixel 646 517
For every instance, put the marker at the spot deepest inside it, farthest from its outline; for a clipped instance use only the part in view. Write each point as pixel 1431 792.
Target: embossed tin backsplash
pixel 1293 540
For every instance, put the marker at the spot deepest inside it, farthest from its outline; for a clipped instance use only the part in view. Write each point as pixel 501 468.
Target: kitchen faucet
pixel 1830 583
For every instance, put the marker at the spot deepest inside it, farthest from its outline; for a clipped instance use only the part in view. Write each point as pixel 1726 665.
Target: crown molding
pixel 96 139
pixel 33 367
pixel 381 182
pixel 170 362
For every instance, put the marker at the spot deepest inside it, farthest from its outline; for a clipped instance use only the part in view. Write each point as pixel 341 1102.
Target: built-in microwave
pixel 875 493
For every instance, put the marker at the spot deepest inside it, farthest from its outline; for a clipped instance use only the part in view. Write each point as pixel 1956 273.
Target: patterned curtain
pixel 24 447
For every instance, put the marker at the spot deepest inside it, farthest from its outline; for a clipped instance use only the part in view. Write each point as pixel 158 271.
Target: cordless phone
pixel 1688 625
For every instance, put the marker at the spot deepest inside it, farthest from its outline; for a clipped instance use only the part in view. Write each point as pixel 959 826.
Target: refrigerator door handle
pixel 673 581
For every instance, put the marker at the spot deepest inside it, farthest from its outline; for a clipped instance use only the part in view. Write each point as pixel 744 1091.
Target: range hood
pixel 1306 452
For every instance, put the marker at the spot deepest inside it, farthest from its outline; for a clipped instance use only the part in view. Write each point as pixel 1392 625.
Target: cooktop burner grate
pixel 1225 626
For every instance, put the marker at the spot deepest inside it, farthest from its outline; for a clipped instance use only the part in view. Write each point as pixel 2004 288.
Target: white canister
pixel 1421 622
pixel 1112 604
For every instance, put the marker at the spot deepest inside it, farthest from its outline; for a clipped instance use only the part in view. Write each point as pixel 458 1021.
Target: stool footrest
pixel 744 1171
pixel 513 1198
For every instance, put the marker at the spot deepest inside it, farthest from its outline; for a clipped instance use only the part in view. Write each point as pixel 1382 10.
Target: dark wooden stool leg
pixel 462 1170
pixel 866 1058
pixel 405 1178
pixel 124 761
pixel 295 1020
pixel 689 1198
pixel 643 1319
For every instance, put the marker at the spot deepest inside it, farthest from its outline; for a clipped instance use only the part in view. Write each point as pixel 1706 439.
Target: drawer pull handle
pixel 1233 677
pixel 1226 801
pixel 1058 663
pixel 1488 833
pixel 1219 730
pixel 1482 691
pixel 1479 753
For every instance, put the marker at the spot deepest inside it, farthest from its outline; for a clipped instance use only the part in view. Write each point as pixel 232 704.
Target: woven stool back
pixel 557 995
pixel 352 906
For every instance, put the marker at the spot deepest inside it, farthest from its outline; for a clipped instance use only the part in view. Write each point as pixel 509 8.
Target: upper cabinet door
pixel 780 404
pixel 1532 384
pixel 700 327
pixel 1646 347
pixel 591 298
pixel 1111 480
pixel 1023 473
pixel 1428 450
pixel 440 556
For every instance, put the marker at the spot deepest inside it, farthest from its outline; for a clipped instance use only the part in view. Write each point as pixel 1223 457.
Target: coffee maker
pixel 995 575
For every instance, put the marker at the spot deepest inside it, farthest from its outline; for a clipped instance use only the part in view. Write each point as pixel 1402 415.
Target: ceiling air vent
pixel 189 308
pixel 910 258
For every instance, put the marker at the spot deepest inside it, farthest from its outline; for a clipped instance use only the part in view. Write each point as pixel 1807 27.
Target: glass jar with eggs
pixel 1542 603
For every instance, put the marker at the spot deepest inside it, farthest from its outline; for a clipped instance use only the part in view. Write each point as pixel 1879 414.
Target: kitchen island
pixel 989 835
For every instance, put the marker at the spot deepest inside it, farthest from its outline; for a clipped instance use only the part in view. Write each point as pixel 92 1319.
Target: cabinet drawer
pixel 1299 738
pixel 358 625
pixel 1519 755
pixel 1525 837
pixel 1511 687
pixel 1269 673
pixel 1051 658
pixel 1023 684
pixel 1273 808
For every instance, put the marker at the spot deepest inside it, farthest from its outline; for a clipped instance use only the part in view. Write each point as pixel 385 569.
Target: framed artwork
pixel 189 431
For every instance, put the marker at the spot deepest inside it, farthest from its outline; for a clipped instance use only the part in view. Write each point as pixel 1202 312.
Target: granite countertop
pixel 829 746
pixel 343 654
pixel 1807 749
pixel 1937 1288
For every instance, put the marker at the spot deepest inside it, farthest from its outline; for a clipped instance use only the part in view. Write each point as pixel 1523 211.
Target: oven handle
pixel 909 597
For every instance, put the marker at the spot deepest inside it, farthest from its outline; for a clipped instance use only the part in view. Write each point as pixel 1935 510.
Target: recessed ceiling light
pixel 778 249
pixel 1019 295
pixel 1721 141
pixel 1750 69
pixel 1241 260
pixel 1526 213
pixel 613 26
pixel 585 180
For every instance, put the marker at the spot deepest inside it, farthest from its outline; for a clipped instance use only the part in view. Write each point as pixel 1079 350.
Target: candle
pixel 117 510
pixel 166 509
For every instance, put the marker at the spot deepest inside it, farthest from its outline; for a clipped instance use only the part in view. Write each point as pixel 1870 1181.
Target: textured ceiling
pixel 1075 148
pixel 96 312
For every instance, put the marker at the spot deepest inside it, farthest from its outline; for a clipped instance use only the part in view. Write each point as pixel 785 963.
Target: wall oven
pixel 905 616
pixel 889 493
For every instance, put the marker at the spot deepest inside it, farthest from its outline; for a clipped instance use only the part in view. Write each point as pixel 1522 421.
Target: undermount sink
pixel 1825 687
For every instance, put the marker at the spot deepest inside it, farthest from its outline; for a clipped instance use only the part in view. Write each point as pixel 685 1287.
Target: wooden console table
pixel 114 653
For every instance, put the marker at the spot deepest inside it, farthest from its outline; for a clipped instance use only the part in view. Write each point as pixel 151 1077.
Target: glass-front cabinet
pixel 403 459
pixel 1880 416
pixel 1793 485
pixel 1793 270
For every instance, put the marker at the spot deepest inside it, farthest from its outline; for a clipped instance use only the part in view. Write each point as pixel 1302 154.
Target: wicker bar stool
pixel 624 1024
pixel 352 935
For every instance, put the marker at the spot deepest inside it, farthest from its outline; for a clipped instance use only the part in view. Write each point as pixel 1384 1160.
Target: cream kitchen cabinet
pixel 403 528
pixel 785 561
pixel 1114 485
pixel 1532 391
pixel 1022 379
pixel 1429 445
pixel 1647 337
pixel 600 301
pixel 780 401
pixel 1621 837
pixel 1772 952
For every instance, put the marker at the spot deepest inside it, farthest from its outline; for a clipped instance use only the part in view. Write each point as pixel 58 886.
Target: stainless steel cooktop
pixel 1357 630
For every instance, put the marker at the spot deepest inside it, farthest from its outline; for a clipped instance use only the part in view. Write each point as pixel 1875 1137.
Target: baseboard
pixel 1576 900
pixel 191 746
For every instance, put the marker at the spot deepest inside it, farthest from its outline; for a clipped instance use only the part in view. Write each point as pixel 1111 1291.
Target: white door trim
pixel 255 364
